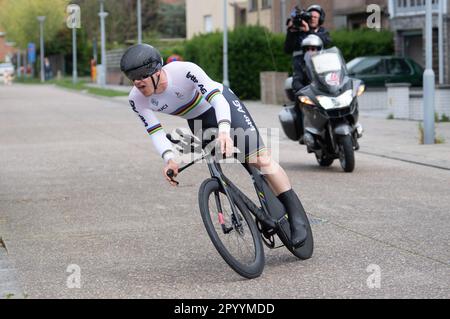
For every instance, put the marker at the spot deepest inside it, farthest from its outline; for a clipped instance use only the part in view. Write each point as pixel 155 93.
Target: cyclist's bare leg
pixel 281 186
pixel 275 174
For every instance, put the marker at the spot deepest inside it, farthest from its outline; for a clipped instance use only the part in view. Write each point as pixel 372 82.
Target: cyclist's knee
pixel 262 161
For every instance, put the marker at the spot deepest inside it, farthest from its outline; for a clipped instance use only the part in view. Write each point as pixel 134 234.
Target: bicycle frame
pixel 261 214
pixel 271 217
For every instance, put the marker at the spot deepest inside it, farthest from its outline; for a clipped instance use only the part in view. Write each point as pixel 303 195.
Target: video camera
pixel 298 15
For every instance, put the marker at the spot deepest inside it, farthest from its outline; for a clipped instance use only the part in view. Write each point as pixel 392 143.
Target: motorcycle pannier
pixel 289 119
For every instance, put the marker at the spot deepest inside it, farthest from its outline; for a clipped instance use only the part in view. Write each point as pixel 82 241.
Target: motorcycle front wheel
pixel 346 153
pixel 324 161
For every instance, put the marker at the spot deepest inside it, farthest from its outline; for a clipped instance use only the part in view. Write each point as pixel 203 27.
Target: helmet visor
pixel 311 49
pixel 143 72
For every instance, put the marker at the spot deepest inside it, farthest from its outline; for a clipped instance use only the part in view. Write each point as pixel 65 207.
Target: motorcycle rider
pixel 312 44
pixel 296 35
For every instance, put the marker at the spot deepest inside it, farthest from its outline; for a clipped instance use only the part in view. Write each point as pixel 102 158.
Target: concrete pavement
pixel 399 139
pixel 81 186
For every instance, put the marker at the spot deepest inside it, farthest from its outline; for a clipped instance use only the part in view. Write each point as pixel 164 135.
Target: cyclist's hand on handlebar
pixel 171 167
pixel 226 144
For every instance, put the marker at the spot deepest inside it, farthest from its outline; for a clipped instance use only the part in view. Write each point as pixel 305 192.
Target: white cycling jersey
pixel 190 92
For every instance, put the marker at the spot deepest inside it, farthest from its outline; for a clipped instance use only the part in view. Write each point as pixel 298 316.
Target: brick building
pixel 6 48
pixel 406 18
pixel 204 16
pixel 407 21
pixel 352 14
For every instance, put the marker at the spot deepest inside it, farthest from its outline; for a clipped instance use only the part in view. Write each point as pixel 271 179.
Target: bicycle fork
pixel 215 171
pixel 226 230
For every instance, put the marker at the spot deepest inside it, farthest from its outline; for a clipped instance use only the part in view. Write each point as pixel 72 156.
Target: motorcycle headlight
pixel 306 100
pixel 343 100
pixel 361 90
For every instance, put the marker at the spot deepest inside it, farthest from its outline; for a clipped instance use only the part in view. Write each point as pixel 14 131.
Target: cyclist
pixel 184 89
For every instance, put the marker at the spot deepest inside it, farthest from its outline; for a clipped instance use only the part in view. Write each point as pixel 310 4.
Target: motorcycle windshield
pixel 327 69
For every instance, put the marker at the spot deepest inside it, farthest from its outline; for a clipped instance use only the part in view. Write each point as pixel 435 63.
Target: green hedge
pixel 363 42
pixel 253 49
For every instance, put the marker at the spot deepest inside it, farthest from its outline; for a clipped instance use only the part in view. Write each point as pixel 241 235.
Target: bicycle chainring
pixel 268 239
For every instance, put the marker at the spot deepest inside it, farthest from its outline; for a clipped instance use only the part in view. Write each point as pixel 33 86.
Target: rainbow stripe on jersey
pixel 185 109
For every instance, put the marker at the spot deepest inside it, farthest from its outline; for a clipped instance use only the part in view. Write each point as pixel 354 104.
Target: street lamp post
pixel 74 56
pixel 74 22
pixel 226 82
pixel 441 42
pixel 139 21
pixel 283 16
pixel 41 20
pixel 428 79
pixel 102 16
pixel 19 73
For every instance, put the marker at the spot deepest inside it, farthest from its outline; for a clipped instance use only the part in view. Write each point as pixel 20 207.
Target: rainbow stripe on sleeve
pixel 154 129
pixel 212 95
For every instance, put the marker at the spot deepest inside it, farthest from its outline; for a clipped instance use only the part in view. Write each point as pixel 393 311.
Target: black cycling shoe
pixel 294 207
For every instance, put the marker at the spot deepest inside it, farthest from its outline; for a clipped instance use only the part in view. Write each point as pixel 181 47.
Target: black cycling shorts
pixel 244 132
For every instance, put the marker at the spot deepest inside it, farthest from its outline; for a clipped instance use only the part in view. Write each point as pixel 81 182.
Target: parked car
pixel 377 71
pixel 6 68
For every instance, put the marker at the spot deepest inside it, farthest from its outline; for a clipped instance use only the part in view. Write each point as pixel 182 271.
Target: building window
pixel 208 24
pixel 266 4
pixel 253 5
pixel 411 7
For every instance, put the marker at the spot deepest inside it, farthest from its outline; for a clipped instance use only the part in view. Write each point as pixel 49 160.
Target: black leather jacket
pixel 294 39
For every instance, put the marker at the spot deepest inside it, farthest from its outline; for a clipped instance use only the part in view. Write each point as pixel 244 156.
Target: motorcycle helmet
pixel 312 43
pixel 317 8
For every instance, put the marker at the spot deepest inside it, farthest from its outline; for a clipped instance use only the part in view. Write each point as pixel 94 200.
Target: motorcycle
pixel 325 114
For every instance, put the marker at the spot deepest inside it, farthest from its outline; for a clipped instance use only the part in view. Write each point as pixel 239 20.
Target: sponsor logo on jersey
pixel 133 106
pixel 193 78
pixel 238 106
pixel 163 108
pixel 155 102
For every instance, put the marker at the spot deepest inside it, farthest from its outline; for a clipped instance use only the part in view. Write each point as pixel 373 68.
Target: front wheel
pixel 235 236
pixel 324 161
pixel 346 153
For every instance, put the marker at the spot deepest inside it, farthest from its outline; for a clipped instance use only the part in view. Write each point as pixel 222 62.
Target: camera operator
pixel 301 25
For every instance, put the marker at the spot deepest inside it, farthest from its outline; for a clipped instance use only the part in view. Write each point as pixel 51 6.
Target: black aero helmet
pixel 317 8
pixel 140 62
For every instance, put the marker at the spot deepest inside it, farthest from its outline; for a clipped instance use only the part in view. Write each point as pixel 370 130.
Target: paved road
pixel 80 185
